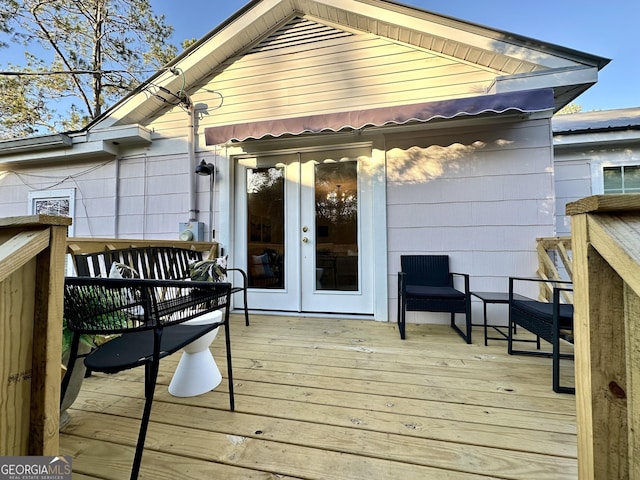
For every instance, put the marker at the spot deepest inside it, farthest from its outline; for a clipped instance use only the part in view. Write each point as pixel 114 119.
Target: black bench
pixel 550 321
pixel 147 319
pixel 153 263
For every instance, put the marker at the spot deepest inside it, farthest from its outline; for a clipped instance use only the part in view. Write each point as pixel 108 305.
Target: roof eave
pixel 43 142
pixel 568 83
pixel 596 139
pixel 97 143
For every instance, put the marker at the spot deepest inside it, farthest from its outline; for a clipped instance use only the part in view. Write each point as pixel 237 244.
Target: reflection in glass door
pixel 336 212
pixel 265 227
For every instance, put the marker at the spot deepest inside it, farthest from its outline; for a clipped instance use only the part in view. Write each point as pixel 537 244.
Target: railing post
pixel 606 259
pixel 31 295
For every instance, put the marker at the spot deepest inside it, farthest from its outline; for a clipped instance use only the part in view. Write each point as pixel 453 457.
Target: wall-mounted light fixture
pixel 208 170
pixel 205 169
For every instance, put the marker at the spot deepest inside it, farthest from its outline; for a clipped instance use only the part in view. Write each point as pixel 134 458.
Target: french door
pixel 304 231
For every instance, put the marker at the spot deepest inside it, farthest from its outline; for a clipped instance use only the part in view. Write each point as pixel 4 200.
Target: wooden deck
pixel 337 399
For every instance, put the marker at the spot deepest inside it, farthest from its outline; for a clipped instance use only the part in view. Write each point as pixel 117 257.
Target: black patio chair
pixel 425 284
pixel 147 319
pixel 550 321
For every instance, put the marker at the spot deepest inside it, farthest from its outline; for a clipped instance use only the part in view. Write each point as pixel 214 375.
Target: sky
pixel 608 29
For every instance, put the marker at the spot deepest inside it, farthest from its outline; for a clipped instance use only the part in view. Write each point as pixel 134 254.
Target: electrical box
pixel 191 231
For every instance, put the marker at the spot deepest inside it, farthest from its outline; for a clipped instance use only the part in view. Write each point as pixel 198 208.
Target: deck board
pixel 342 399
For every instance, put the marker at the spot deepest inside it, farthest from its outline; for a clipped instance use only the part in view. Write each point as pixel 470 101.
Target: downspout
pixel 192 162
pixel 116 200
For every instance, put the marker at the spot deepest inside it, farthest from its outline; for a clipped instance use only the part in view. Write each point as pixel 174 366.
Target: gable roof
pixel 261 25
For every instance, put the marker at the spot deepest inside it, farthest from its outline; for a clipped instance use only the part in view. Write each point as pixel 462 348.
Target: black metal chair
pixel 550 321
pixel 148 318
pixel 425 284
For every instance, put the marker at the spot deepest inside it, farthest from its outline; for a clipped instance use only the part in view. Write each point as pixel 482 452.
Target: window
pixel 53 202
pixel 623 179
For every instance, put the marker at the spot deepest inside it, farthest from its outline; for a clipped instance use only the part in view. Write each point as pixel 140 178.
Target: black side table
pixel 494 297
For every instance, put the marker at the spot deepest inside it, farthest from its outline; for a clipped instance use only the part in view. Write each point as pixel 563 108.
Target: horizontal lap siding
pixel 153 194
pixel 572 181
pixel 355 72
pixel 573 170
pixel 480 194
pixel 94 192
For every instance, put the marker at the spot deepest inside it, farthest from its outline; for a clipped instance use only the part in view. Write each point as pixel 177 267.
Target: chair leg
pixel 401 317
pixel 556 362
pixel 465 335
pixel 510 332
pixel 227 338
pixel 73 355
pixel 467 317
pixel 556 356
pixel 246 308
pixel 151 375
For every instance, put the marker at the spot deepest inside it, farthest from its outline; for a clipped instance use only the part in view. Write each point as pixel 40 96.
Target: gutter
pixel 58 140
pixel 618 138
pixel 98 143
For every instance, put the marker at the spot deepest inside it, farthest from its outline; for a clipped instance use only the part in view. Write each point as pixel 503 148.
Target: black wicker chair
pixel 548 321
pixel 147 318
pixel 425 284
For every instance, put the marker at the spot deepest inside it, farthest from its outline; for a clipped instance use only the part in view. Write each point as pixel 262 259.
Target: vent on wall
pixel 297 32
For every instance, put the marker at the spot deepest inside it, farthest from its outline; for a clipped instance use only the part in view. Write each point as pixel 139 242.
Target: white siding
pixel 152 194
pixel 574 174
pixel 481 195
pixel 94 192
pixel 355 72
pixel 572 181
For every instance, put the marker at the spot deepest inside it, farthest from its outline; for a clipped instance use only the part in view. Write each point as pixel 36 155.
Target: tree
pixel 85 55
pixel 570 108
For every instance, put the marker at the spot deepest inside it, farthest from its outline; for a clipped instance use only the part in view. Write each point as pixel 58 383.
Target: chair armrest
pixel 402 282
pixel 466 279
pixel 559 285
pixel 542 280
pixel 245 279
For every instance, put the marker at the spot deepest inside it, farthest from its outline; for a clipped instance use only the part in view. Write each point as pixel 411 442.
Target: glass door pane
pixel 336 226
pixel 265 227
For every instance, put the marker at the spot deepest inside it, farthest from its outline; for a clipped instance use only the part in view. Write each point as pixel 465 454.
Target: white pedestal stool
pixel 197 372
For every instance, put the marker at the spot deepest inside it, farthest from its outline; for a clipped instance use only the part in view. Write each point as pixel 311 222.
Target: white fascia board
pixel 98 149
pixel 560 77
pixel 459 31
pixel 95 143
pixel 121 135
pixel 43 142
pixel 200 55
pixel 166 79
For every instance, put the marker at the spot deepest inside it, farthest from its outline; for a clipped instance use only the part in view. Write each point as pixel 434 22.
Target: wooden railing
pixel 76 245
pixel 31 293
pixel 549 250
pixel 606 260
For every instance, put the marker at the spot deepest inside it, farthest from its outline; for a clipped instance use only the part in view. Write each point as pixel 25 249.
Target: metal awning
pixel 528 101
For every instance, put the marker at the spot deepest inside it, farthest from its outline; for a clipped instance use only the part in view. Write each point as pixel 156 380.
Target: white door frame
pixel 377 210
